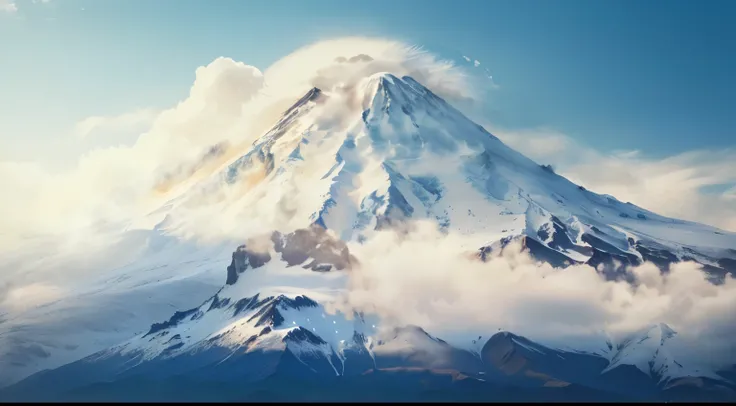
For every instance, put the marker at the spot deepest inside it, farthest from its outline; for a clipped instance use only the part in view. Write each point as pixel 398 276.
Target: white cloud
pixel 115 184
pixel 136 120
pixel 425 278
pixel 11 6
pixel 320 65
pixel 476 63
pixel 675 186
pixel 8 6
pixel 18 299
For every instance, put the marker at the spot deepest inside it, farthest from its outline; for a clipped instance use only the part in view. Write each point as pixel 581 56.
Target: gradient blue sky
pixel 617 75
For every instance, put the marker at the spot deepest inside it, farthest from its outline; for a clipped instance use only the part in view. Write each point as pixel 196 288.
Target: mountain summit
pixel 339 167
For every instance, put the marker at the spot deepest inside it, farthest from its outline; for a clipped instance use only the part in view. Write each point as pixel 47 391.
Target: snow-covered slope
pixel 404 153
pixel 650 352
pixel 337 168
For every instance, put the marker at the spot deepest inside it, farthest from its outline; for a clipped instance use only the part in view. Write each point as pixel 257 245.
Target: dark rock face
pixel 323 252
pixel 248 303
pixel 728 264
pixel 315 243
pixel 561 239
pixel 312 95
pixel 243 259
pixel 269 314
pixel 660 257
pixel 547 168
pixel 302 335
pixel 612 261
pixel 217 303
pixel 543 253
pixel 173 321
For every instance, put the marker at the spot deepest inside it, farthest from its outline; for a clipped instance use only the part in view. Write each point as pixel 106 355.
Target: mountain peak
pixel 313 95
pixel 385 77
pixel 390 79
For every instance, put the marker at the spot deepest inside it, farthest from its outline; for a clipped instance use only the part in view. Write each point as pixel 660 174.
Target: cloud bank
pixel 424 278
pixel 8 6
pixel 683 186
pixel 136 121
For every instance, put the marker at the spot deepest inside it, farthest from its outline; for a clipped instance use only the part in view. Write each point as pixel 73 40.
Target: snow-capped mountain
pixel 401 153
pixel 404 153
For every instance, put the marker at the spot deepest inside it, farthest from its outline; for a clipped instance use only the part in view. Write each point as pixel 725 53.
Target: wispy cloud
pixel 17 299
pixel 679 186
pixel 96 125
pixel 486 72
pixel 11 6
pixel 8 6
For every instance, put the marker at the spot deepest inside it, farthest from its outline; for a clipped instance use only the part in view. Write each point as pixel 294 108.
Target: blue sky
pixel 617 75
